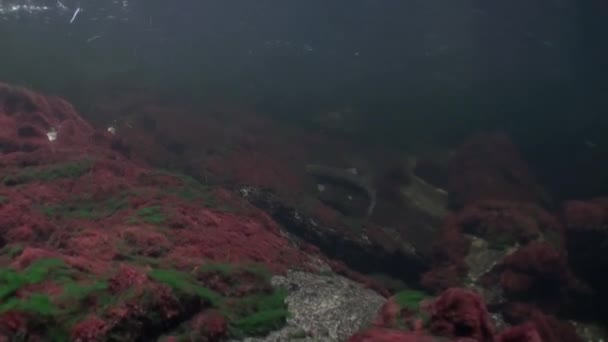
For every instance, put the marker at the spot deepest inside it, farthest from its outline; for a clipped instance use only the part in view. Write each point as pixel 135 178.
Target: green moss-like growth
pixel 258 270
pixel 221 268
pixel 86 208
pixel 501 241
pixel 259 312
pixel 72 169
pixel 11 281
pixel 188 188
pixel 260 323
pixel 55 314
pixel 36 303
pixel 297 335
pixel 256 315
pixel 151 215
pixel 12 250
pixel 73 292
pixel 183 283
pixel 410 299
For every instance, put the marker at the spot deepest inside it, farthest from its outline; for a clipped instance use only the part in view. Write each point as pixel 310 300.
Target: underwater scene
pixel 289 170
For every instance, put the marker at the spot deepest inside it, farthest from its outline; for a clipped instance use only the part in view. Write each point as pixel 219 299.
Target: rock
pixel 426 198
pixel 591 331
pixel 323 308
pixel 96 244
pixel 497 227
pixel 376 250
pixel 432 172
pixel 410 206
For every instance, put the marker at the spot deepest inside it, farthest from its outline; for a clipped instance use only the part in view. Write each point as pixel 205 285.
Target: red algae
pixel 210 324
pixel 506 223
pixel 449 252
pixel 148 253
pixel 538 273
pixel 521 333
pixel 489 167
pixel 90 329
pixel 80 198
pixel 389 335
pixel 459 313
pixel 533 322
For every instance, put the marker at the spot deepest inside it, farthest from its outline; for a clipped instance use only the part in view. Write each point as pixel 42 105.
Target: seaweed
pixel 86 208
pixel 72 169
pixel 410 299
pixel 183 283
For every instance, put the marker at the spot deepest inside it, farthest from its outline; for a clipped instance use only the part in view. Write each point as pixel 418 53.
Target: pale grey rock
pixel 323 307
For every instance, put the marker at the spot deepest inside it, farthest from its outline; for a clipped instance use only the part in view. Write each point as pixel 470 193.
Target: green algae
pixel 11 250
pixel 410 299
pixel 188 189
pixel 227 269
pixel 255 314
pixel 11 281
pixel 72 169
pixel 86 208
pixel 151 215
pixel 54 314
pixel 183 283
pixel 221 268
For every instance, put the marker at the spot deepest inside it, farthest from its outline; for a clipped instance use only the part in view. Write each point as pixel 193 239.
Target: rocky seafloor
pixel 169 223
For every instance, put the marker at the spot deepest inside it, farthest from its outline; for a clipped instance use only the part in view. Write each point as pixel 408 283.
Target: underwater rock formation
pixel 324 307
pixel 95 244
pixel 375 249
pixel 346 178
pixel 538 274
pixel 459 314
pixel 502 224
pixel 514 255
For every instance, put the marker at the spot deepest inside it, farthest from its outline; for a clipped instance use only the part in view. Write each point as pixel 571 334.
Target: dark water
pixel 420 71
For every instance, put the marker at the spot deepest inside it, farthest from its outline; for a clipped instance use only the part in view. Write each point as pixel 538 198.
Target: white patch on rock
pixel 323 307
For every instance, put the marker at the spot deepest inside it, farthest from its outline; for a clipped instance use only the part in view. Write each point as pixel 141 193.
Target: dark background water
pixel 426 70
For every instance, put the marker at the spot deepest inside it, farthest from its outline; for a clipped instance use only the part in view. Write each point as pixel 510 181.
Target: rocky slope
pixel 99 243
